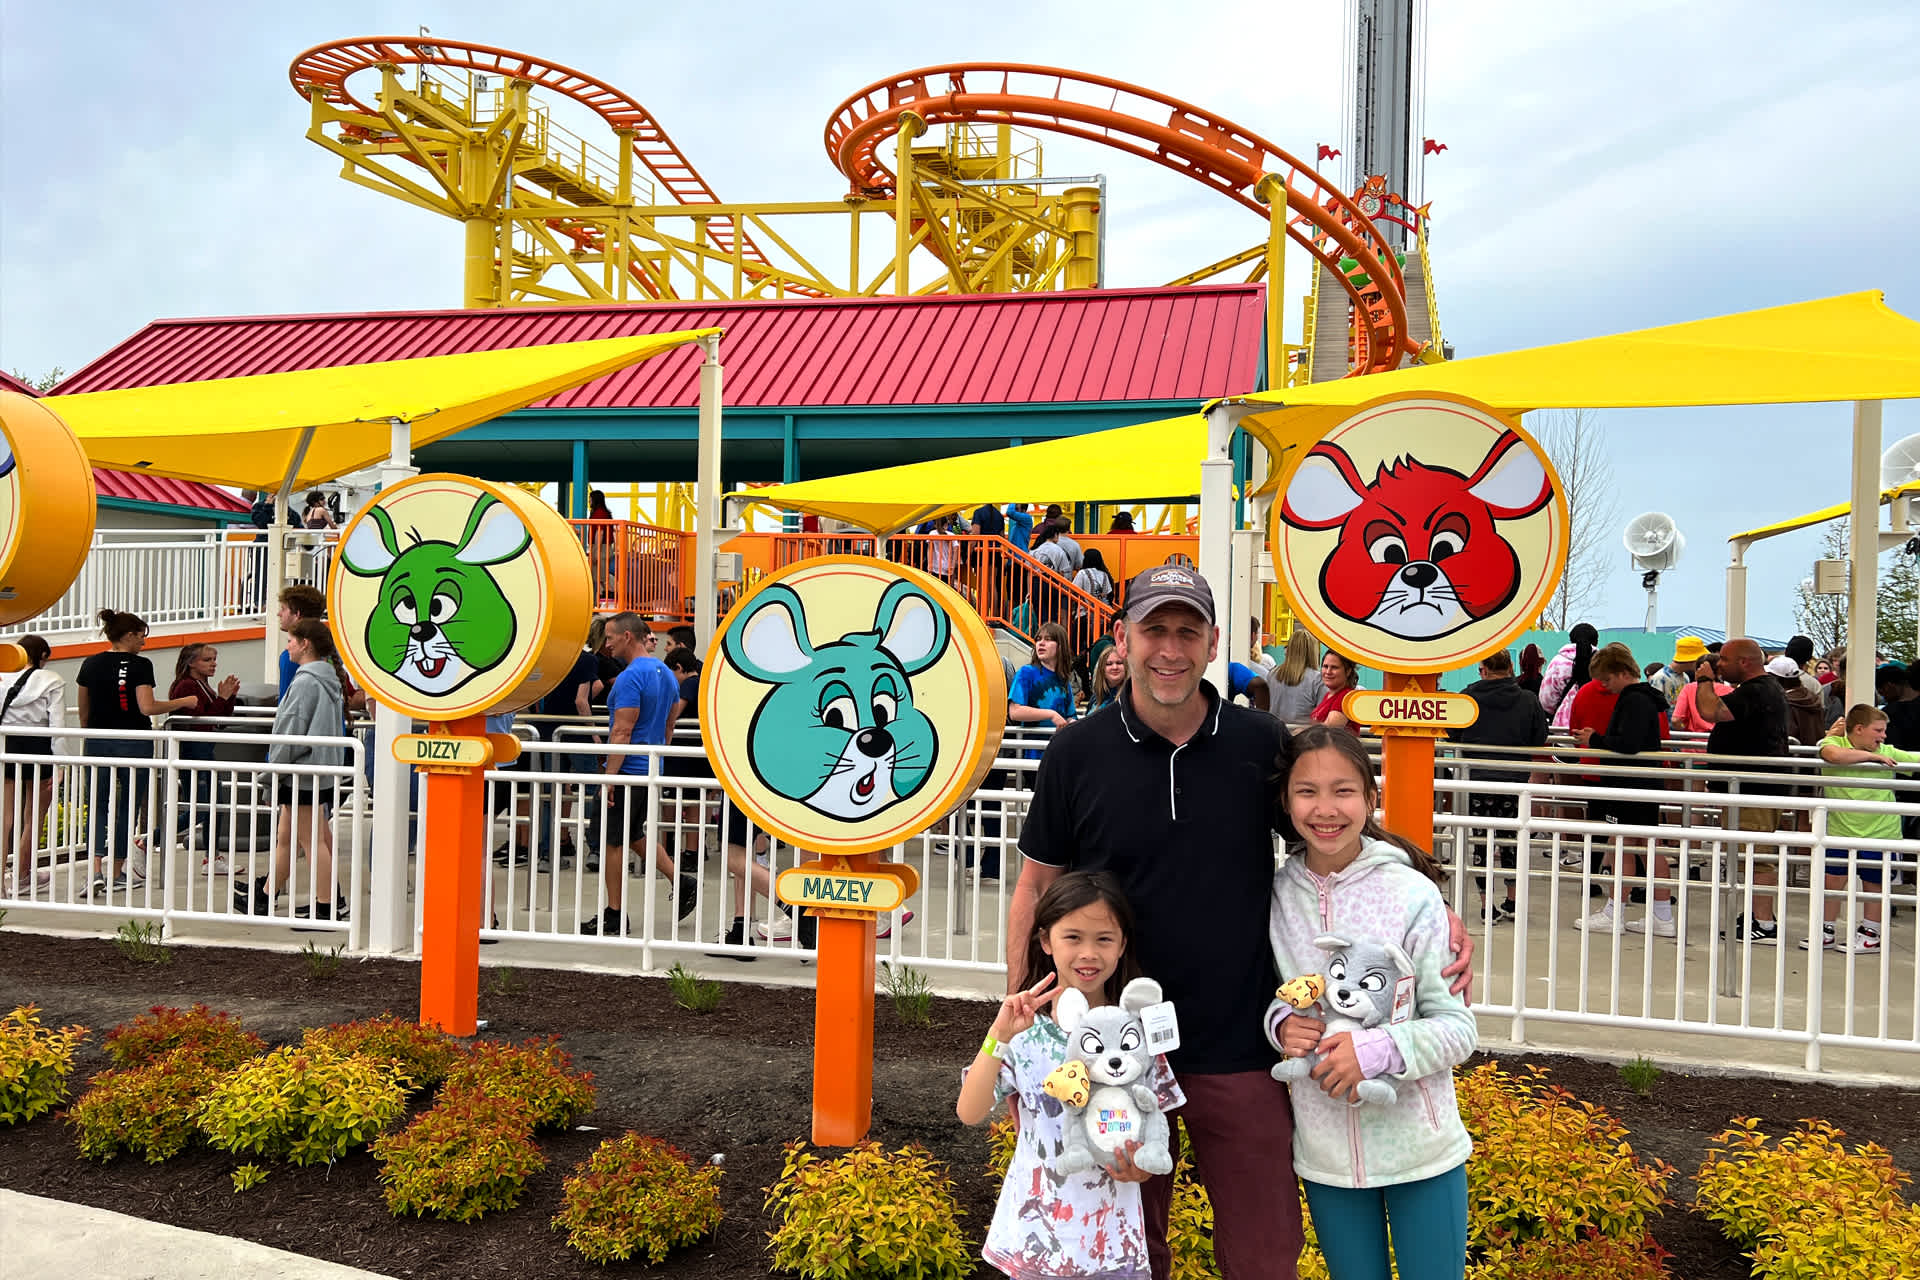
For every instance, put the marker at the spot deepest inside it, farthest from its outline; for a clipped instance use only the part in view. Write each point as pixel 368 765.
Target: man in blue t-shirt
pixel 639 707
pixel 1019 526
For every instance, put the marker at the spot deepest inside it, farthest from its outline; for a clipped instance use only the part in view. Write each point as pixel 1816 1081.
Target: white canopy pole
pixel 1216 535
pixel 1863 546
pixel 707 512
pixel 390 913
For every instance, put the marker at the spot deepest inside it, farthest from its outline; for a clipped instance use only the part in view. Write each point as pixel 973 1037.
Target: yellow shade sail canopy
pixel 1852 347
pixel 1158 459
pixel 1835 512
pixel 302 428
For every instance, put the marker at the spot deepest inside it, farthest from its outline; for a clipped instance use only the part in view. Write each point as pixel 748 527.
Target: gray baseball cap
pixel 1169 584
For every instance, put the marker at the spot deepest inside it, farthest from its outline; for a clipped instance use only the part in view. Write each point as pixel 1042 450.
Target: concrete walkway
pixel 44 1239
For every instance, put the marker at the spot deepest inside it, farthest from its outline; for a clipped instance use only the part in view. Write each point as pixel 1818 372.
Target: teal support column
pixel 789 467
pixel 1242 467
pixel 577 489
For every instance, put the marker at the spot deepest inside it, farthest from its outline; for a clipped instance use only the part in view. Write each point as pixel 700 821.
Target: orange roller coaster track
pixel 1207 148
pixel 328 67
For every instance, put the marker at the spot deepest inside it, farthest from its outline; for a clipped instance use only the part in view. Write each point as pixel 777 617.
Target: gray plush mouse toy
pixel 1356 992
pixel 1106 1082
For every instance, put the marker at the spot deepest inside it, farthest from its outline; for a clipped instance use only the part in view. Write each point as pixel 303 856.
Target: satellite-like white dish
pixel 1654 541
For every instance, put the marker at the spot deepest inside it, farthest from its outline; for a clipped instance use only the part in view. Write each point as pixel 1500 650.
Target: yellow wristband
pixel 991 1048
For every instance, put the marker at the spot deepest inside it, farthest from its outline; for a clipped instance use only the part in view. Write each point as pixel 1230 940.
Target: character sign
pixel 453 596
pixel 1421 534
pixel 46 508
pixel 851 703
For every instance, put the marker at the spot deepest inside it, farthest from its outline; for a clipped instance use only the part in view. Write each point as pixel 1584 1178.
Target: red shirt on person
pixel 1592 709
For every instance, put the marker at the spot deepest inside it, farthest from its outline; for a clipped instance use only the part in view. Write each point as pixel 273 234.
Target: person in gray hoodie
pixel 313 708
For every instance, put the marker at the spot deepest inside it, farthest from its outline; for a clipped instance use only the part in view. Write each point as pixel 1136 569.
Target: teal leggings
pixel 1429 1217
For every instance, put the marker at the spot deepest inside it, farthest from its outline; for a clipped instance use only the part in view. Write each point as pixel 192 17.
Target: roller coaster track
pixel 1207 148
pixel 328 67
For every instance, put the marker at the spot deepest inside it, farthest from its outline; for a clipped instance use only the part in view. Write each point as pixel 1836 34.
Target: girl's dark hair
pixel 1320 737
pixel 1092 559
pixel 118 626
pixel 188 652
pixel 1064 896
pixel 317 635
pixel 1531 660
pixel 1585 640
pixel 1062 648
pixel 38 651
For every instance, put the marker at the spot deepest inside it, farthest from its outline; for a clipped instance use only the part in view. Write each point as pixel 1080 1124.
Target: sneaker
pixel 735 936
pixel 1866 942
pixel 126 882
pixel 1572 858
pixel 510 856
pixel 253 900
pixel 1653 924
pixel 216 865
pixel 1498 913
pixel 321 911
pixel 1826 939
pixel 1765 933
pixel 608 925
pixel 886 923
pixel 689 894
pixel 1602 921
pixel 782 930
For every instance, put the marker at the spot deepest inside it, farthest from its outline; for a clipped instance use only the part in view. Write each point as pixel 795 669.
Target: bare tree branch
pixel 1572 438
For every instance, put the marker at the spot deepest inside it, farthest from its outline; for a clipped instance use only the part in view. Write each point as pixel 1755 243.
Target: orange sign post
pixel 454 598
pixel 1417 536
pixel 850 704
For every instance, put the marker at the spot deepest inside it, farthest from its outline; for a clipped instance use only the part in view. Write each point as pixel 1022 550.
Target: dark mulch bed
pixel 736 1081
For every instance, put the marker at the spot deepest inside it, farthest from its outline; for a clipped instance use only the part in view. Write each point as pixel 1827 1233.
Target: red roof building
pixel 812 387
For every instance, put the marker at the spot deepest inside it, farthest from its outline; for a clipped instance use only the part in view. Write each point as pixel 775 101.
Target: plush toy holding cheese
pixel 1356 991
pixel 1106 1082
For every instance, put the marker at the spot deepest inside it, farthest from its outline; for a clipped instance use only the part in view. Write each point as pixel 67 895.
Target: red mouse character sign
pixel 1421 534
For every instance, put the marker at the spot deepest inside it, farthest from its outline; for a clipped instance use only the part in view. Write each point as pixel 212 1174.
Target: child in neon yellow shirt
pixel 1862 753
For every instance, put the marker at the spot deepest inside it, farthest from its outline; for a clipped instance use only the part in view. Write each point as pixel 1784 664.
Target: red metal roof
pixel 139 488
pixel 1098 345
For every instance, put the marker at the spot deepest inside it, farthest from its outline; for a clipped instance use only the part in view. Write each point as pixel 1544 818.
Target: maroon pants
pixel 1241 1128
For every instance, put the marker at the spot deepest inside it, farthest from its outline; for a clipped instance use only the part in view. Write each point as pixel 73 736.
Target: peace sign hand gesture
pixel 1018 1011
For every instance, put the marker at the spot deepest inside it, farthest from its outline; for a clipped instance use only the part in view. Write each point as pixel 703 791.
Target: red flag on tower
pixel 1428 147
pixel 1326 153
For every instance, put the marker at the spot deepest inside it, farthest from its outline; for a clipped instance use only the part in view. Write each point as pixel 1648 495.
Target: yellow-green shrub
pixel 1593 1257
pixel 215 1038
pixel 1847 1242
pixel 422 1056
pixel 148 1111
pixel 1547 1165
pixel 466 1157
pixel 1002 1137
pixel 637 1195
pixel 302 1105
pixel 537 1075
pixel 1756 1189
pixel 35 1063
pixel 867 1213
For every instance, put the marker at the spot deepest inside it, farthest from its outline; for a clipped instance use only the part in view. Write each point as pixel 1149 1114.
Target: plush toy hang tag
pixel 1163 1029
pixel 1402 1001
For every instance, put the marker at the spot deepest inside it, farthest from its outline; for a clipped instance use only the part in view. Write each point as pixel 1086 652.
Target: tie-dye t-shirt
pixel 1049 1225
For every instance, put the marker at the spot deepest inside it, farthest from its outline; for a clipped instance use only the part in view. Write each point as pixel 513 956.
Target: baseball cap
pixel 1688 650
pixel 1783 666
pixel 1168 584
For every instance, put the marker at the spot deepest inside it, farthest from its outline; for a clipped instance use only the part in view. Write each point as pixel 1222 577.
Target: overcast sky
pixel 1608 167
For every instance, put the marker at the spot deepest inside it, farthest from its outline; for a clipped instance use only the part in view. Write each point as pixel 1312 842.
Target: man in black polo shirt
pixel 1175 793
pixel 1751 720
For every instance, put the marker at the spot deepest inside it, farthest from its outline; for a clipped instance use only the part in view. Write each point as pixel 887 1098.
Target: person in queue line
pixel 1567 672
pixel 1122 522
pixel 298 602
pixel 637 709
pixel 1294 687
pixel 196 675
pixel 1749 720
pixel 1896 686
pixel 1532 661
pixel 1508 716
pixel 1066 539
pixel 1042 691
pixel 1093 579
pixel 33 711
pixel 1689 656
pixel 1667 679
pixel 313 708
pixel 1172 792
pixel 116 692
pixel 1339 676
pixel 1858 752
pixel 1834 701
pixel 1806 722
pixel 1019 525
pixel 1257 656
pixel 1636 723
pixel 1107 679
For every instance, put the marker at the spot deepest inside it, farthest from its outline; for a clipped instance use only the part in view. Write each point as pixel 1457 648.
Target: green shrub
pixel 1755 1191
pixel 538 1075
pixel 867 1213
pixel 911 993
pixel 143 943
pixel 321 964
pixel 637 1195
pixel 1001 1140
pixel 148 1111
pixel 1640 1075
pixel 1592 1257
pixel 301 1104
pixel 35 1064
pixel 1844 1242
pixel 691 991
pixel 216 1038
pixel 1546 1165
pixel 1190 1224
pixel 468 1156
pixel 421 1056
pixel 248 1176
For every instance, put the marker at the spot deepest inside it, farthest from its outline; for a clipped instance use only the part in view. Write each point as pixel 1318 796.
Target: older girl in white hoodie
pixel 1365 1165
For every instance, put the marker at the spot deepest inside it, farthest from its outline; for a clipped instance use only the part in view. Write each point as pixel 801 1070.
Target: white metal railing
pixel 180 578
pixel 674 842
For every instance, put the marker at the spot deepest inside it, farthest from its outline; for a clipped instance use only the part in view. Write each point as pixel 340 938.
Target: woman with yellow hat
pixel 1691 659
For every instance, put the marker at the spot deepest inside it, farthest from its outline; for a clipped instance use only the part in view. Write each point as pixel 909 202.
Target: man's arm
pixel 1034 879
pixel 1708 704
pixel 619 734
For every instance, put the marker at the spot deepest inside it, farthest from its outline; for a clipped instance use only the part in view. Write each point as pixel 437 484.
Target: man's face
pixel 1614 681
pixel 1167 653
pixel 1740 661
pixel 287 616
pixel 624 646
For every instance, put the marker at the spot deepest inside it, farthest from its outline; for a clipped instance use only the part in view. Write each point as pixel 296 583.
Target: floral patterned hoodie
pixel 1380 897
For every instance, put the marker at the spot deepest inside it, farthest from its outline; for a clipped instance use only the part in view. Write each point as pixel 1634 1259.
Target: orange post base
pixel 453 890
pixel 1406 768
pixel 843 1031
